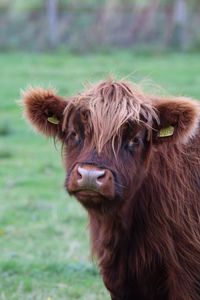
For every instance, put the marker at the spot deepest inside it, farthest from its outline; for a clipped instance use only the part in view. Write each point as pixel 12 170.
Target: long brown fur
pixel 149 247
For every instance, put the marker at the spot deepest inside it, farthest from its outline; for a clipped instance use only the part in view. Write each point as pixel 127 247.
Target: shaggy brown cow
pixel 133 161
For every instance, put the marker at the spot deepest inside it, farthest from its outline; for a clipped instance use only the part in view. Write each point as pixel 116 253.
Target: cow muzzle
pixel 89 181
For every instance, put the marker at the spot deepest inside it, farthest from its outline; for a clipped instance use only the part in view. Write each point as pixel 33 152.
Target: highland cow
pixel 133 161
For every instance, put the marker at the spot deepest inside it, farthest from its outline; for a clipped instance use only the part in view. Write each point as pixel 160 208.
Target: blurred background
pixel 85 25
pixel 44 242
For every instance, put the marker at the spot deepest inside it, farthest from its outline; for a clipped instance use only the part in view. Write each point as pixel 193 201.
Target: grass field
pixel 44 245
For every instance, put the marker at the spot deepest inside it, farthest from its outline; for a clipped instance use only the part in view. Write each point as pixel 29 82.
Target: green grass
pixel 44 243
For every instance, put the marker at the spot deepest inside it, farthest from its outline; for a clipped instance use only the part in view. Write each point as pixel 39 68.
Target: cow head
pixel 108 133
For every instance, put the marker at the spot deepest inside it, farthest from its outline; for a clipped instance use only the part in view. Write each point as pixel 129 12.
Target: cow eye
pixel 73 137
pixel 133 142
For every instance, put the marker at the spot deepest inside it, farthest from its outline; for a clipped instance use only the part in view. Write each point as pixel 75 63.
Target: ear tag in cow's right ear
pixel 166 132
pixel 53 119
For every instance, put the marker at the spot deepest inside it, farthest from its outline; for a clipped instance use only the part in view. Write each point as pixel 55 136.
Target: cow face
pixel 108 134
pixel 101 179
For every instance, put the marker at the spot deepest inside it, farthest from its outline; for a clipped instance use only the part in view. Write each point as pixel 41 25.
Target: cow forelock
pixel 107 106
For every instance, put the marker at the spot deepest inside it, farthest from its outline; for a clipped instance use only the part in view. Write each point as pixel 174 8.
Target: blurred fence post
pixel 52 15
pixel 145 21
pixel 180 14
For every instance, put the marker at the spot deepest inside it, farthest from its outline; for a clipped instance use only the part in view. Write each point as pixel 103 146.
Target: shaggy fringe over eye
pixel 110 105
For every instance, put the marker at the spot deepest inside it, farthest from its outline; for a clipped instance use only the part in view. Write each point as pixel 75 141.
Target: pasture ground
pixel 44 244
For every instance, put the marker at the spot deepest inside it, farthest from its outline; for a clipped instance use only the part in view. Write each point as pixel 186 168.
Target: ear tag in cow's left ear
pixel 53 119
pixel 166 132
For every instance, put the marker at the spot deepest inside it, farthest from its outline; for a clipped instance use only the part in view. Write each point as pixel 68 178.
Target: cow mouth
pixel 95 201
pixel 88 195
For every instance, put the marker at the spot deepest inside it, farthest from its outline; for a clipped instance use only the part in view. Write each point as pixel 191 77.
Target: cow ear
pixel 44 110
pixel 179 120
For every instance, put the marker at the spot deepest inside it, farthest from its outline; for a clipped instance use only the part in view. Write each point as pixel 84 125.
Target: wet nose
pixel 93 178
pixel 90 178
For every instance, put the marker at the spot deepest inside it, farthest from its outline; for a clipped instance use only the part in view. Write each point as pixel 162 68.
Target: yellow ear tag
pixel 165 132
pixel 53 119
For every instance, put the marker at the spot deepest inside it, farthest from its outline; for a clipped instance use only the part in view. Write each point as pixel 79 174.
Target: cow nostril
pixel 100 174
pixel 100 177
pixel 79 173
